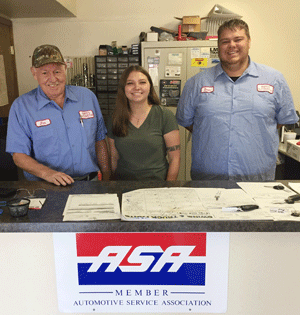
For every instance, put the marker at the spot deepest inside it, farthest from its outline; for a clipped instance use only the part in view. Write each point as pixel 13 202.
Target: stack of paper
pixel 92 207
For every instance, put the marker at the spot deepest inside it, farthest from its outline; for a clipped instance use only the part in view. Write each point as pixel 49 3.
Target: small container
pixel 289 136
pixel 102 50
pixel 18 207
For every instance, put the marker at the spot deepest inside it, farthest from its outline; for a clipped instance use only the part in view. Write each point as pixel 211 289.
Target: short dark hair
pixel 233 25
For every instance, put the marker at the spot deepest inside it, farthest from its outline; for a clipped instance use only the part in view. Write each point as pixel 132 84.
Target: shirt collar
pixel 251 70
pixel 43 99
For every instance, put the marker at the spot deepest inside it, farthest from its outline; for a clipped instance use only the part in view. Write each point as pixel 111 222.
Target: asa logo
pixel 141 258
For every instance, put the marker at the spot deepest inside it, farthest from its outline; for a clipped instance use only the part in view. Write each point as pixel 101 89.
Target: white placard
pixel 142 272
pixel 175 59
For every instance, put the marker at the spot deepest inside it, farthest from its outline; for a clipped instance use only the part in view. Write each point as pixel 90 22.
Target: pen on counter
pixel 218 194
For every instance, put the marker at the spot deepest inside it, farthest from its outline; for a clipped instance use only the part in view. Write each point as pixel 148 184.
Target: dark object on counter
pixel 292 199
pixel 8 169
pixel 6 192
pixel 248 207
pixel 18 207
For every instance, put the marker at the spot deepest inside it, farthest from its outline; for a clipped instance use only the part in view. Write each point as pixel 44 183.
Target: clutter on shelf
pixel 191 27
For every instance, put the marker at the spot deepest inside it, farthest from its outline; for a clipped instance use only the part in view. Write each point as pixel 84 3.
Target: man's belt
pixel 87 177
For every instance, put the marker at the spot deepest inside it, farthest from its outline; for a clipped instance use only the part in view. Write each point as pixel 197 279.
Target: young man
pixel 233 111
pixel 56 132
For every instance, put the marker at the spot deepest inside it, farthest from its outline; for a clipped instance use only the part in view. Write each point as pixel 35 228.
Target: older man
pixel 233 111
pixel 56 132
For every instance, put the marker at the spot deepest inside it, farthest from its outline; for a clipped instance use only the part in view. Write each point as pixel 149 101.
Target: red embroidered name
pixel 265 88
pixel 207 89
pixel 43 123
pixel 86 114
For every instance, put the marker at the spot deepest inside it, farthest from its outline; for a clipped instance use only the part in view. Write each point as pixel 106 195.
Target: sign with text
pixel 142 272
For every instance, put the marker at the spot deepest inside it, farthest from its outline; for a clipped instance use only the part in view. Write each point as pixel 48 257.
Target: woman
pixel 142 134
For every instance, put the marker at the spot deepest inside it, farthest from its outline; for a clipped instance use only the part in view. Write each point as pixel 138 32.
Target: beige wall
pixel 273 25
pixel 263 275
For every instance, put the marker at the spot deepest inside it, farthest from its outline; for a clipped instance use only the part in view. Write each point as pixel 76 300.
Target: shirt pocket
pixel 45 144
pixel 264 105
pixel 213 106
pixel 88 132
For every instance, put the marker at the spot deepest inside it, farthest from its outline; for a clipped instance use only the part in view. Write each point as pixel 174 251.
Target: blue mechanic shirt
pixel 235 123
pixel 62 139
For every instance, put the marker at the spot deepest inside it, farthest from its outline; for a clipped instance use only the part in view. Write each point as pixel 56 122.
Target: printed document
pixel 182 204
pixel 271 197
pixel 89 207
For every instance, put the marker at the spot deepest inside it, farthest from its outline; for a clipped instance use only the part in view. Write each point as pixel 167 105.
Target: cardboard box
pixel 293 150
pixel 152 37
pixel 191 23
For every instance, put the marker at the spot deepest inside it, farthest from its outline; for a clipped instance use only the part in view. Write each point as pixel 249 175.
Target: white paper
pixel 172 71
pixel 175 59
pixel 153 72
pixel 171 204
pixel 92 207
pixel 272 200
pixel 295 187
pixel 36 203
pixel 195 53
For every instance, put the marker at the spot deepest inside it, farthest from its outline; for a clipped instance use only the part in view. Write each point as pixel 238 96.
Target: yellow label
pixel 199 62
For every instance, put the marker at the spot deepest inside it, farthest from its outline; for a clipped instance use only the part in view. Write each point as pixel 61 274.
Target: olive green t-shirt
pixel 143 151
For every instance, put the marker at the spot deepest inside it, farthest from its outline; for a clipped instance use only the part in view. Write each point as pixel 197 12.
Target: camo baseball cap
pixel 46 54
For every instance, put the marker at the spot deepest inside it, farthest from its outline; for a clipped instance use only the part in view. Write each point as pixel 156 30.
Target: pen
pixel 248 207
pixel 81 120
pixel 218 194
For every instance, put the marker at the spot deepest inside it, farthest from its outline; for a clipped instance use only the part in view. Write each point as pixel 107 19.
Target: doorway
pixel 8 93
pixel 8 64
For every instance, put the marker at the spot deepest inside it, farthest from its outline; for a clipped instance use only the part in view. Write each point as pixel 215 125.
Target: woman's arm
pixel 114 155
pixel 172 141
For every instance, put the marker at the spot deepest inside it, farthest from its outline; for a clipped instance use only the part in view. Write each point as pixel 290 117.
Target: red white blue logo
pixel 141 258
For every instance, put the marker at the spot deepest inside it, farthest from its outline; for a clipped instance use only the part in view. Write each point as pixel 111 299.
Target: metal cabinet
pixel 108 70
pixel 170 64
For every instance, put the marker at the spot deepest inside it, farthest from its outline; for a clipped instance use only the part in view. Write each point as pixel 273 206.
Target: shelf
pixel 36 9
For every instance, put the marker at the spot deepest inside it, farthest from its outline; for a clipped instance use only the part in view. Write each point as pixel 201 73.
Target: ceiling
pixel 34 8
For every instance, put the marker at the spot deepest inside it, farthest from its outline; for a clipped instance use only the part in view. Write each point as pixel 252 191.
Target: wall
pixel 273 27
pixel 263 274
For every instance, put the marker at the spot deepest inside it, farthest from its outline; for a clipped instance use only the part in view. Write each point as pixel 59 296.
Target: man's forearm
pixel 30 165
pixel 103 159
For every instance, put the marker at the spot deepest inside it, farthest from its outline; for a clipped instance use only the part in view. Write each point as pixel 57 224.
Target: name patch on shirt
pixel 207 89
pixel 265 88
pixel 43 123
pixel 86 114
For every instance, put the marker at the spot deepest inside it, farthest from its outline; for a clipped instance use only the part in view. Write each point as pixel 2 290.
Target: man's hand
pixel 31 166
pixel 58 178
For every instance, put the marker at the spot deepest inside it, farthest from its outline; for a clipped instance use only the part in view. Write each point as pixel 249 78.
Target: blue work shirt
pixel 235 123
pixel 62 139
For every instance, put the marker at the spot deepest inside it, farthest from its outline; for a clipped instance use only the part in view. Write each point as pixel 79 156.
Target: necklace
pixel 141 118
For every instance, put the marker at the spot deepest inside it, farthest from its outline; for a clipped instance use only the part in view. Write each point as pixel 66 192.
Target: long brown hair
pixel 121 114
